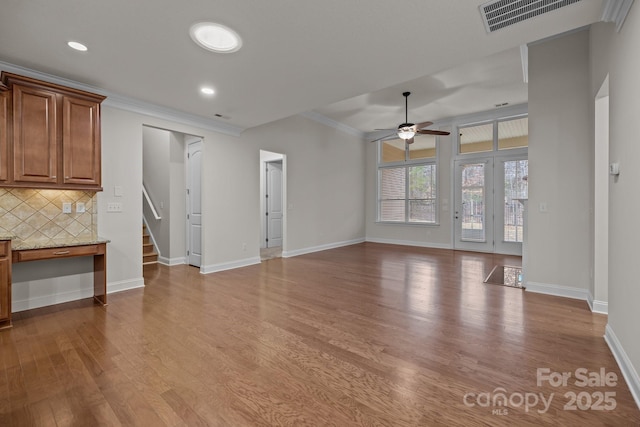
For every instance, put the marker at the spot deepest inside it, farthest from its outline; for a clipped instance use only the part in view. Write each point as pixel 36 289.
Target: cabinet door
pixel 5 288
pixel 81 141
pixel 34 135
pixel 4 125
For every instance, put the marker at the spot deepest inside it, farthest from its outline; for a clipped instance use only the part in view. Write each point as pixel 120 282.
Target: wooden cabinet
pixel 5 284
pixel 55 135
pixel 4 133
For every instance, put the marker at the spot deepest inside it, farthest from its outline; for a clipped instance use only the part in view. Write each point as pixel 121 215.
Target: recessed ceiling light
pixel 215 37
pixel 207 90
pixel 77 46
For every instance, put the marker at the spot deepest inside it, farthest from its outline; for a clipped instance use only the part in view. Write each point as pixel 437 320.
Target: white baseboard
pixel 45 300
pixel 628 371
pixel 124 285
pixel 410 243
pixel 297 252
pixel 596 306
pixel 206 269
pixel 172 261
pixel 557 290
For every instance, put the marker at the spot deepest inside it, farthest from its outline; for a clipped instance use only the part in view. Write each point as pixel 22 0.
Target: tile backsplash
pixel 37 215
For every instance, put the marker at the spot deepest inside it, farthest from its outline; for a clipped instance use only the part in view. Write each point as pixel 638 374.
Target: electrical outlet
pixel 244 246
pixel 66 207
pixel 80 208
pixel 114 207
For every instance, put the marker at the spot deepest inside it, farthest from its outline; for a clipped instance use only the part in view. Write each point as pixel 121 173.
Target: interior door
pixel 274 204
pixel 473 214
pixel 194 205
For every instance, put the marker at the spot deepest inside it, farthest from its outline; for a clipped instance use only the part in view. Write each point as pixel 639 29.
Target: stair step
pixel 147 248
pixel 149 258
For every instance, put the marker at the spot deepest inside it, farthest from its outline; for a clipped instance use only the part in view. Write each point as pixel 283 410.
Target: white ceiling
pixel 347 60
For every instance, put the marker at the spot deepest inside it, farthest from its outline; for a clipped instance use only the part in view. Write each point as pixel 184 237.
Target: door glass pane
pixel 423 147
pixel 473 202
pixel 393 151
pixel 476 139
pixel 515 187
pixel 513 133
pixel 392 194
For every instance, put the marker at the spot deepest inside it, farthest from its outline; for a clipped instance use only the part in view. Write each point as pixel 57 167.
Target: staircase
pixel 149 255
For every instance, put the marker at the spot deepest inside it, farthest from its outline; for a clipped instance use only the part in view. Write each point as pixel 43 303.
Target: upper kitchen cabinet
pixel 4 134
pixel 54 137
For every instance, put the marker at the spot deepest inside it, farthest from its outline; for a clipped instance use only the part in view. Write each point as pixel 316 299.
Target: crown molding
pixel 615 11
pixel 333 123
pixel 130 104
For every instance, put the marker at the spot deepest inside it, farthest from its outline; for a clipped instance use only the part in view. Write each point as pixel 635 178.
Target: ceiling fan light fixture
pixel 406 131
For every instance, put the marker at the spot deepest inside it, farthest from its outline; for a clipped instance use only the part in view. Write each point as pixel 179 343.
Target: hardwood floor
pixel 370 334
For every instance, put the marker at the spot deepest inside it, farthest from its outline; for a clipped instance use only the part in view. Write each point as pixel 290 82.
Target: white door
pixel 274 204
pixel 511 188
pixel 473 213
pixel 194 205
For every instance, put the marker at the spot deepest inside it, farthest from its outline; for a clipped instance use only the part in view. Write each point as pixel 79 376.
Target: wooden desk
pixel 97 250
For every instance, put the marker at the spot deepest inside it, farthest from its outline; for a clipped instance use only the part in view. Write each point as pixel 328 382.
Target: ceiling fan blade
pixel 389 130
pixel 410 141
pixel 384 137
pixel 433 132
pixel 419 126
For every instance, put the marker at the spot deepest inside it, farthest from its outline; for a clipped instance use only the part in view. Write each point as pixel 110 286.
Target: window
pixel 407 181
pixel 494 135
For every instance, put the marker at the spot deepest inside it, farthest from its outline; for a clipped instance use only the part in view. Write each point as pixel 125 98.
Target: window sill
pixel 411 224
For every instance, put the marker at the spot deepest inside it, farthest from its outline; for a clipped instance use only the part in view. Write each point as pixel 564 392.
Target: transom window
pixel 494 135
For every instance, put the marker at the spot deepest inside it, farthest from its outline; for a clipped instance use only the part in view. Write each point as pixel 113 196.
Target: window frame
pixel 406 165
pixel 493 121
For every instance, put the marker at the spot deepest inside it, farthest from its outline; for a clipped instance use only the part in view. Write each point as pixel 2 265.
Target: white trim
pixel 123 285
pixel 303 251
pixel 317 117
pixel 596 306
pixel 46 300
pixel 615 11
pixel 524 59
pixel 410 243
pixel 172 261
pixel 130 104
pixel 628 371
pixel 557 290
pixel 214 268
pixel 78 294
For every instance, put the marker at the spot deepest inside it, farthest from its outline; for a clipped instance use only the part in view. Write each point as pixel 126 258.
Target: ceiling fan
pixel 408 130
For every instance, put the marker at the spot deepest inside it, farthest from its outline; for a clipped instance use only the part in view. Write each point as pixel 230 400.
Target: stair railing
pixel 150 203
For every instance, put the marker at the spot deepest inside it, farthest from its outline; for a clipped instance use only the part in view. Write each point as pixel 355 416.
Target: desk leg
pixel 100 279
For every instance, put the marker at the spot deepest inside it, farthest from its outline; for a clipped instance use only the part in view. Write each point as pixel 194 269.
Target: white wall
pixel 178 208
pixel 156 176
pixel 560 171
pixel 615 54
pixel 325 182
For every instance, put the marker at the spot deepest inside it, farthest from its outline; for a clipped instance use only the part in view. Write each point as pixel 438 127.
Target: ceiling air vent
pixel 498 14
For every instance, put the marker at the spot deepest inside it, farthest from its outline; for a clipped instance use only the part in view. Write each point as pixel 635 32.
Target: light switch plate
pixel 80 208
pixel 117 191
pixel 66 207
pixel 114 207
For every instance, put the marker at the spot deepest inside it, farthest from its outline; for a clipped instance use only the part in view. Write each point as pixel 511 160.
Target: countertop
pixel 20 245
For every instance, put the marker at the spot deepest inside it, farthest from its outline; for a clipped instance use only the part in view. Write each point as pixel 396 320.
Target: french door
pixel 488 214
